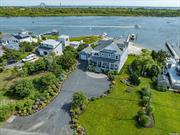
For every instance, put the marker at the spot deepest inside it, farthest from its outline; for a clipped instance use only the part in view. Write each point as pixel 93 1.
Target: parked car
pixel 11 61
pixel 29 58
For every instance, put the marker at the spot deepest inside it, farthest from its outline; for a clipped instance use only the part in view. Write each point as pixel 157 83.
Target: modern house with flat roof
pixel 9 41
pixel 109 55
pixel 49 46
pixel 25 37
pixel 64 39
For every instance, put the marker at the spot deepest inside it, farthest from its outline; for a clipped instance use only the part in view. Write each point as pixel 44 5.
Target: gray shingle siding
pixel 108 55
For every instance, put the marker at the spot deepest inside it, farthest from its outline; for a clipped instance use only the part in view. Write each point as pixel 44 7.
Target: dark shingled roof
pixel 7 37
pixel 102 44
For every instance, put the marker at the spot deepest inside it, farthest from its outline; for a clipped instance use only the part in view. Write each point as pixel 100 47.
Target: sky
pixel 147 3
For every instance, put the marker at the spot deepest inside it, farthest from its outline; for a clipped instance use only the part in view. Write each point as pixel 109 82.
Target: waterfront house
pixel 64 39
pixel 109 55
pixel 76 44
pixel 173 65
pixel 49 46
pixel 173 72
pixel 9 41
pixel 25 37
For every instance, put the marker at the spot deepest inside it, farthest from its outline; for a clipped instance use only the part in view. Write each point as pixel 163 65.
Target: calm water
pixel 153 34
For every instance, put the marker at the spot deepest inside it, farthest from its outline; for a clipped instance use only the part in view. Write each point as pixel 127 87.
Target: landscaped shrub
pixel 78 104
pixel 146 92
pixel 145 115
pixel 6 111
pixel 145 120
pixel 140 113
pixel 45 81
pixel 68 59
pixel 149 109
pixel 161 88
pixel 22 88
pixel 145 100
pixel 38 66
pixel 111 76
pixel 148 64
pixel 134 79
pixel 79 101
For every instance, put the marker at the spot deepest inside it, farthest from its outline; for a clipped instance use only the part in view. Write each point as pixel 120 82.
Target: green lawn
pixel 114 114
pixel 86 39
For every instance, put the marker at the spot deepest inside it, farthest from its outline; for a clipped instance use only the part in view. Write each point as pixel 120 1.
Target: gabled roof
pixel 7 37
pixel 51 42
pixel 87 50
pixel 22 36
pixel 111 46
pixel 102 44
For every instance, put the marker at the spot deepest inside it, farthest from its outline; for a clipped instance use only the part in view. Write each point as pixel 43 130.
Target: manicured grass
pixel 55 37
pixel 86 39
pixel 114 114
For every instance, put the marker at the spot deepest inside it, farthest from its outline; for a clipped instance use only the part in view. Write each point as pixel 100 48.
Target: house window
pixel 117 57
pixel 99 64
pixel 112 66
pixel 96 54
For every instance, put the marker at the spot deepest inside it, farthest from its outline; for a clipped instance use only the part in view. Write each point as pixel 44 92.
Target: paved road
pixel 54 119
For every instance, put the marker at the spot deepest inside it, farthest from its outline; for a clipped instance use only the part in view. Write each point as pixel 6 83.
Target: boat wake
pixel 101 26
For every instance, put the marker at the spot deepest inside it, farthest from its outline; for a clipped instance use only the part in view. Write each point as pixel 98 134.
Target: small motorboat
pixel 137 26
pixel 132 37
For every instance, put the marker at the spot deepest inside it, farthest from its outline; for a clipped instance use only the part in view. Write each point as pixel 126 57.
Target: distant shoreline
pixel 89 11
pixel 69 6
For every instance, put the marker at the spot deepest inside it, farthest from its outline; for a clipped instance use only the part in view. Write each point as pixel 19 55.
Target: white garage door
pixel 83 57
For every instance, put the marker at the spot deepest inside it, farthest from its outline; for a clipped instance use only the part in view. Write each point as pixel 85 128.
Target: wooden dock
pixel 171 50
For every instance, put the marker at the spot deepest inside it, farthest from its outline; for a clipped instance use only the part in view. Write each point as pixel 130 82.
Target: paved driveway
pixel 54 119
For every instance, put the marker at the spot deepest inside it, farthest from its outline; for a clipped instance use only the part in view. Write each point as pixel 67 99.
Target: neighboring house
pixel 173 71
pixel 49 46
pixel 109 55
pixel 76 44
pixel 64 39
pixel 86 53
pixel 9 41
pixel 25 37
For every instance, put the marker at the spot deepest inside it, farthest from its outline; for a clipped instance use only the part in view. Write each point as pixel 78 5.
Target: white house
pixel 9 41
pixel 173 70
pixel 25 37
pixel 76 44
pixel 49 46
pixel 64 39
